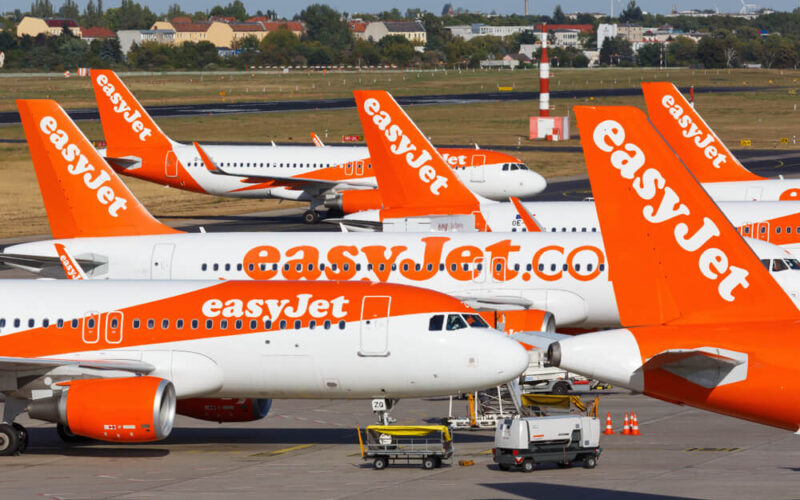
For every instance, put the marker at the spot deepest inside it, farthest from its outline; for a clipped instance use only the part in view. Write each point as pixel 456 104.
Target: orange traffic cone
pixel 634 424
pixel 626 426
pixel 609 429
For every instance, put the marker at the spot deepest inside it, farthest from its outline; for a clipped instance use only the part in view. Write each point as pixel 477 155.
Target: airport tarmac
pixel 309 449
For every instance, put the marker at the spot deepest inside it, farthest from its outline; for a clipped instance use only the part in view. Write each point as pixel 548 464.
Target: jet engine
pixel 132 409
pixel 355 200
pixel 224 409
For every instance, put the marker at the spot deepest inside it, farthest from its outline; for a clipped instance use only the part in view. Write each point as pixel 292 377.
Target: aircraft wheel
pixel 9 440
pixel 310 217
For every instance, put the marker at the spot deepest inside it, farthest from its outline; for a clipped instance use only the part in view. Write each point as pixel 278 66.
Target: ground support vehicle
pixel 540 377
pixel 563 439
pixel 430 444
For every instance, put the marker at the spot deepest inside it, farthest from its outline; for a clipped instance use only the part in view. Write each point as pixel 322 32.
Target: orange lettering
pixel 305 267
pixel 430 262
pixel 376 255
pixel 259 260
pixel 456 259
pixel 595 272
pixel 345 266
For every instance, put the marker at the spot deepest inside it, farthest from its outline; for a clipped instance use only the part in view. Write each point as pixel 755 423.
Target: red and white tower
pixel 544 79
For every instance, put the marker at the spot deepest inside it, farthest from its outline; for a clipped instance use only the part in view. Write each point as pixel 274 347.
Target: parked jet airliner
pixel 136 146
pixel 108 360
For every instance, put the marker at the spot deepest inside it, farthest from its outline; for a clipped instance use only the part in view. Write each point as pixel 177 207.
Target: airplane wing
pixel 357 225
pixel 10 364
pixel 124 162
pixel 539 340
pixel 40 262
pixel 492 302
pixel 278 181
pixel 707 367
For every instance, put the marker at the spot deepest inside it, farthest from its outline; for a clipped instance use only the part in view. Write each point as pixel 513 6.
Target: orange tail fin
pixel 694 142
pixel 673 256
pixel 83 196
pixel 126 125
pixel 410 173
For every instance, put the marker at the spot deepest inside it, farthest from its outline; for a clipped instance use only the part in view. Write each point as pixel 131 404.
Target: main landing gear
pixel 13 439
pixel 311 217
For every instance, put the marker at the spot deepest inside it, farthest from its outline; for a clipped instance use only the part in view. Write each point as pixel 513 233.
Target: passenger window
pixel 455 322
pixel 341 325
pixel 238 324
pixel 46 323
pixel 209 324
pixel 788 229
pixel 239 267
pixel 114 323
pixel 216 267
pixel 417 267
pixel 602 267
pixel 164 324
pixel 282 324
pixel 746 230
pixel 195 324
pixel 251 267
pixel 441 267
pixel 778 230
pixel 223 324
pixel 346 267
pixel 394 267
pixel 312 324
pixel 297 324
pixel 577 267
pixel 436 322
pixel 529 267
pixel 358 267
pixel 74 323
pixel 151 323
pixel 267 324
pixel 541 267
pixel 453 267
pixel 430 267
pixel 253 324
pixel 179 324
pixel 762 230
pixel 589 267
pixel 327 324
pixel 321 266
pixel 552 267
pixel 90 323
pixel 59 323
pixel 204 267
pixel 31 323
pixel 227 267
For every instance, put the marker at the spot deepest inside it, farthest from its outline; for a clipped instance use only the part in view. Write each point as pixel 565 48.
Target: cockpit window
pixel 793 264
pixel 779 265
pixel 455 322
pixel 513 166
pixel 522 166
pixel 475 321
pixel 505 167
pixel 436 322
pixel 766 263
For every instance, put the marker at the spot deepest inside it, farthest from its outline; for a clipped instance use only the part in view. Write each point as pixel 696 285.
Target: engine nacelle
pixel 354 200
pixel 224 409
pixel 131 409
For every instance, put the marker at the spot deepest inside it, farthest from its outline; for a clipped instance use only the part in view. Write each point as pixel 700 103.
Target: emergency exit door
pixel 375 311
pixel 477 173
pixel 171 164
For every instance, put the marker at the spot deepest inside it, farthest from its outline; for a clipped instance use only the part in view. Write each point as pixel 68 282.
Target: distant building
pixel 128 37
pixel 413 31
pixel 604 32
pixel 35 26
pixel 630 32
pixel 96 33
pixel 468 32
pixel 243 30
pixel 448 10
pixel 565 38
pixel 218 33
pixel 509 63
pixel 358 28
pixel 295 27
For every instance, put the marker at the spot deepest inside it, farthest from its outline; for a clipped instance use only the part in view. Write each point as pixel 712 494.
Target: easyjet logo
pixel 648 183
pixel 402 145
pixel 79 166
pixel 121 107
pixel 700 137
pixel 273 309
pixel 463 263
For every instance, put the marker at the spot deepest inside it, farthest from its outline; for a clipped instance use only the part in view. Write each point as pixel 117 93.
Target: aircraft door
pixel 375 312
pixel 171 164
pixel 348 169
pixel 161 262
pixel 498 269
pixel 477 170
pixel 113 327
pixel 359 168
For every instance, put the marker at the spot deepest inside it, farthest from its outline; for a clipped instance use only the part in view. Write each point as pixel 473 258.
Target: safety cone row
pixel 630 425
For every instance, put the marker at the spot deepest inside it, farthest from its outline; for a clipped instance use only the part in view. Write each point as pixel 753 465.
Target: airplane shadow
pixel 544 491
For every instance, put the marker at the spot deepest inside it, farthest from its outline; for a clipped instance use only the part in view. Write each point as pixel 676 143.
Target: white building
pixel 605 31
pixel 128 37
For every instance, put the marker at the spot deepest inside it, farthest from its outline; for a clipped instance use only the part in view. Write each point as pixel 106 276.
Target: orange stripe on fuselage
pixel 788 225
pixel 235 299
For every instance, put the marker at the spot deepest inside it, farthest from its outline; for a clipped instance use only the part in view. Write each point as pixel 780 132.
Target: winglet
pixel 530 223
pixel 673 256
pixel 82 194
pixel 207 161
pixel 410 172
pixel 71 267
pixel 317 141
pixel 694 142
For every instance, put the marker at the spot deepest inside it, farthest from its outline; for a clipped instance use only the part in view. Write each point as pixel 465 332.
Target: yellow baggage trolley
pixel 431 444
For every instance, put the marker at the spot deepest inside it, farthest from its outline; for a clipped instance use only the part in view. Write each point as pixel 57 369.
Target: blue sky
pixel 288 9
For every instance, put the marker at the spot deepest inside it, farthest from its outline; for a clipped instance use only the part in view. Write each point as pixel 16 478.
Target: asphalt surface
pixel 8 117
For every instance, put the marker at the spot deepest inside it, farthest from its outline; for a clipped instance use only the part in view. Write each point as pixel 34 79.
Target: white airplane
pixel 405 199
pixel 108 360
pixel 343 176
pixel 546 278
pixel 724 178
pixel 706 325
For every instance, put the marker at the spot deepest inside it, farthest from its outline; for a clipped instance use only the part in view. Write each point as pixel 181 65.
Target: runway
pixel 9 117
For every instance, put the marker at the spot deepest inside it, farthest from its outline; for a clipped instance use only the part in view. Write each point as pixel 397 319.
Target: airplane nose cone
pixel 539 183
pixel 507 360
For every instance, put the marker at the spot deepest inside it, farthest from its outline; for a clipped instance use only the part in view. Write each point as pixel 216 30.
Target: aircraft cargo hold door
pixel 375 326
